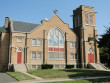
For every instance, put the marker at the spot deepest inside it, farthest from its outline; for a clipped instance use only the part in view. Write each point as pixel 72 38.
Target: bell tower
pixel 85 28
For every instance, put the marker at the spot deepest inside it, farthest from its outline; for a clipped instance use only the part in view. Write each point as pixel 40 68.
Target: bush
pixel 47 66
pixel 69 66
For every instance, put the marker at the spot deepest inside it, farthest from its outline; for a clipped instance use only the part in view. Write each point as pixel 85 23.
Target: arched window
pixel 50 41
pixel 55 38
pixel 56 44
pixel 61 41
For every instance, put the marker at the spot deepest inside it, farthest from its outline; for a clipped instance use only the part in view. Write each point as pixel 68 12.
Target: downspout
pixel 25 53
pixel 10 47
pixel 26 49
pixel 44 47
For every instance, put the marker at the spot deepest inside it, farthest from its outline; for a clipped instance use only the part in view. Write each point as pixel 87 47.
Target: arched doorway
pixel 90 55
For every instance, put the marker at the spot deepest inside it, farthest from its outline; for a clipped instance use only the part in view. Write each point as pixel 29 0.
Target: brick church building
pixel 29 45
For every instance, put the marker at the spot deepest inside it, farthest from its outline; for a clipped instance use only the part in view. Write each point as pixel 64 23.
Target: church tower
pixel 85 28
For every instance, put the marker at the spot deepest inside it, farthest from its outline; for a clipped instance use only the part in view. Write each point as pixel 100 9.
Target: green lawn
pixel 68 73
pixel 20 76
pixel 87 81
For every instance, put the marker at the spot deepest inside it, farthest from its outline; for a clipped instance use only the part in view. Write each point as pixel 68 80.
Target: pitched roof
pixel 19 26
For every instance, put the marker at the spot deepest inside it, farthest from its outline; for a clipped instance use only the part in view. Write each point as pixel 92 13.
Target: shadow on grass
pixel 100 80
pixel 86 73
pixel 79 73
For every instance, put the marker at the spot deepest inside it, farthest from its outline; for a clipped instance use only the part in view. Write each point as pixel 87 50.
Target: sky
pixel 34 11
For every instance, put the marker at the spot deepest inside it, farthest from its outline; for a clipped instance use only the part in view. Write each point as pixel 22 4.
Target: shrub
pixel 47 66
pixel 69 66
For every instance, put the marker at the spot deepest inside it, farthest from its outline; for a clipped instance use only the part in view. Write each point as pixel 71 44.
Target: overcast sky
pixel 36 10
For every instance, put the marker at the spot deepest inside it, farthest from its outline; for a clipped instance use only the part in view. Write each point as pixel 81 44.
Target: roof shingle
pixel 19 26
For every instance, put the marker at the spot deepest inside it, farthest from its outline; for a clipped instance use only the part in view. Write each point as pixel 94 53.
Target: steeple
pixel 85 27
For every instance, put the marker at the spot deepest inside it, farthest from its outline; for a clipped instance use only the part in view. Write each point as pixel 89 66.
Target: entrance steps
pixel 97 66
pixel 20 67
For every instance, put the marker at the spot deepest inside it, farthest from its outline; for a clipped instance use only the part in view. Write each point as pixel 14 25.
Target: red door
pixel 19 57
pixel 91 58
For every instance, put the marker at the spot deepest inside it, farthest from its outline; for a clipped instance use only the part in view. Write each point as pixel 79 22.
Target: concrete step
pixel 97 66
pixel 20 67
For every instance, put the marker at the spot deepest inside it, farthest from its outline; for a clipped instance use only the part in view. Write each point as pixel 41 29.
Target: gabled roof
pixel 19 26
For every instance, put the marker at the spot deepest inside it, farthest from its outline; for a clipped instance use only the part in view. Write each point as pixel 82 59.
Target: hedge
pixel 47 66
pixel 69 66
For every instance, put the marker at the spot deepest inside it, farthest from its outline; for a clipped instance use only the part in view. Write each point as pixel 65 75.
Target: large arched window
pixel 50 41
pixel 56 44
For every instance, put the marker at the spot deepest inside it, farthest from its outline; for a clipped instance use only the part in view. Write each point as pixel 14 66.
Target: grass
pixel 20 76
pixel 87 81
pixel 68 73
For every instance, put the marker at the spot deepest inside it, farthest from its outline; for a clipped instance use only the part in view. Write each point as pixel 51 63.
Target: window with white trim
pixel 61 55
pixel 56 66
pixel 39 42
pixel 33 55
pixel 19 39
pixel 33 66
pixel 71 44
pixel 71 56
pixel 86 19
pixel 55 44
pixel 39 55
pixel 33 42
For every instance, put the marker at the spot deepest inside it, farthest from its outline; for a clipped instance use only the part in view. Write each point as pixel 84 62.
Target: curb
pixel 12 76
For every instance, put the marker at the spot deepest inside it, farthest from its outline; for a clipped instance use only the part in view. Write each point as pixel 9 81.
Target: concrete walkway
pixel 5 78
pixel 36 77
pixel 59 79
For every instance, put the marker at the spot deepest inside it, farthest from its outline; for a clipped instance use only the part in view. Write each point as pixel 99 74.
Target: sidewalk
pixel 56 80
pixel 36 77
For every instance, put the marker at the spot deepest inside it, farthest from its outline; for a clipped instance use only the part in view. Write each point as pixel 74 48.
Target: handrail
pixel 103 65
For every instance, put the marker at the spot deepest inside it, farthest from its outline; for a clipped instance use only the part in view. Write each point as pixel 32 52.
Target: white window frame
pixel 63 58
pixel 32 42
pixel 40 55
pixel 32 55
pixel 18 40
pixel 70 44
pixel 34 66
pixel 70 56
pixel 40 41
pixel 54 55
pixel 56 66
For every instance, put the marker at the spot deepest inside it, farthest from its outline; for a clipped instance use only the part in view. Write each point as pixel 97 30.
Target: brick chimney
pixel 7 22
